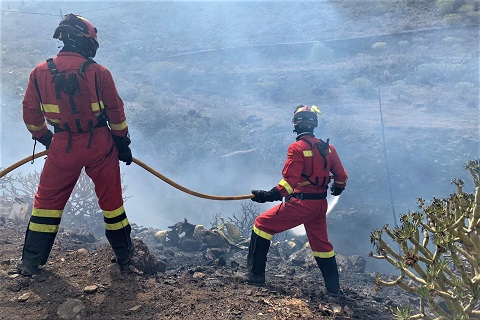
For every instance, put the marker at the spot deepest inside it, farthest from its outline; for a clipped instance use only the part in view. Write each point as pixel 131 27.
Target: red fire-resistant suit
pixel 304 163
pixel 306 175
pixel 86 143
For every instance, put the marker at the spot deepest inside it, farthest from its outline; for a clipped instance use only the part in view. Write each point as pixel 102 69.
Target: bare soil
pixel 80 282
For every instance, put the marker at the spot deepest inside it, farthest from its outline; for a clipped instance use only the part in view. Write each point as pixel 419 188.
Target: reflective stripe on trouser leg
pixel 257 251
pixel 117 231
pixel 41 232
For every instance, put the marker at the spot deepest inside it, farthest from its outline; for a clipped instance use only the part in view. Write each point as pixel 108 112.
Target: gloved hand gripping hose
pixel 144 166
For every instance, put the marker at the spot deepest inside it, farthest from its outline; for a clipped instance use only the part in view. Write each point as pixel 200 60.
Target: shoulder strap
pixel 52 66
pixel 85 65
pixel 323 149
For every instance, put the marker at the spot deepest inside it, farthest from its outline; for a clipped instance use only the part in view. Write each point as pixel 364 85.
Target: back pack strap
pixel 51 65
pixel 84 66
pixel 90 132
pixel 69 131
pixel 323 150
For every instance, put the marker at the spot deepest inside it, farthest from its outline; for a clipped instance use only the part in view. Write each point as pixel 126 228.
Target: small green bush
pixel 321 53
pixel 363 87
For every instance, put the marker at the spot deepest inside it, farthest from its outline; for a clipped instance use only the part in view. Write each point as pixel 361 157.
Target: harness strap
pixel 90 130
pixel 84 66
pixel 323 150
pixel 307 196
pixel 51 65
pixel 69 143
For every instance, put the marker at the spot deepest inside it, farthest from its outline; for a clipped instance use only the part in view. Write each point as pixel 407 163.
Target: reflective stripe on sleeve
pixel 35 128
pixel 118 127
pixel 286 185
pixel 54 108
pixel 97 106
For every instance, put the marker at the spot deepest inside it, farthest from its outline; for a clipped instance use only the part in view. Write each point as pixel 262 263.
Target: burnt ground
pixel 80 282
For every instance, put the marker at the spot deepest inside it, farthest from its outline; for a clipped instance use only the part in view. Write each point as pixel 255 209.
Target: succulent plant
pixel 438 254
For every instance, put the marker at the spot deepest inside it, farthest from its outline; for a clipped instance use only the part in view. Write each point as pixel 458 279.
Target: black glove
pixel 336 190
pixel 263 196
pixel 123 149
pixel 46 139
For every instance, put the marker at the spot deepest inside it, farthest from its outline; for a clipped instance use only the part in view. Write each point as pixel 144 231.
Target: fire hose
pixel 144 166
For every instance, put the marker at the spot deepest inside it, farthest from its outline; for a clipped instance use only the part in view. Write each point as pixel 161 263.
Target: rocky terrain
pixel 169 282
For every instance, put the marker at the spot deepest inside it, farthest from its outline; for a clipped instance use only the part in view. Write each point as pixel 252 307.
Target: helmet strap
pixel 79 46
pixel 300 129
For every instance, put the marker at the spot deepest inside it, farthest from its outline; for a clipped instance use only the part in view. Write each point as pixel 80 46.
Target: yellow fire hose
pixel 144 166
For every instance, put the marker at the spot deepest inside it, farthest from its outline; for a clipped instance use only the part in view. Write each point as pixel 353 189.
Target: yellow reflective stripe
pixel 120 126
pixel 47 228
pixel 307 153
pixel 324 254
pixel 117 225
pixel 286 185
pixel 340 182
pixel 262 234
pixel 50 108
pixel 114 213
pixel 45 213
pixel 53 120
pixel 35 128
pixel 97 106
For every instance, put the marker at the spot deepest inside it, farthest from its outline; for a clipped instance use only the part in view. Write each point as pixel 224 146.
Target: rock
pixel 354 263
pixel 161 236
pixel 5 262
pixel 82 251
pixel 189 244
pixel 24 297
pixel 199 232
pixel 72 309
pixel 114 270
pixel 198 275
pixel 135 308
pixel 302 257
pixel 90 289
pixel 19 284
pixel 144 261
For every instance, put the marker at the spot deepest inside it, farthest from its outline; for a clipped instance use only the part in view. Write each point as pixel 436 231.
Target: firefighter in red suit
pixel 306 176
pixel 78 98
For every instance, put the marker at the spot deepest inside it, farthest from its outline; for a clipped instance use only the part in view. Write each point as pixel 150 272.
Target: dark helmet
pixel 305 116
pixel 78 30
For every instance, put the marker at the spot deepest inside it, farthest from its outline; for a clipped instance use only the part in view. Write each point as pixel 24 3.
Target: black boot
pixel 36 249
pixel 256 260
pixel 121 243
pixel 328 267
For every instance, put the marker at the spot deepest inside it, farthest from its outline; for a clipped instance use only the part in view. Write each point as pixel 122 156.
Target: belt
pixel 309 196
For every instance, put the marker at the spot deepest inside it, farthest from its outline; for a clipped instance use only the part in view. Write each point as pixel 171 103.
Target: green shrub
pixel 452 18
pixel 363 86
pixel 445 6
pixel 439 254
pixel 321 53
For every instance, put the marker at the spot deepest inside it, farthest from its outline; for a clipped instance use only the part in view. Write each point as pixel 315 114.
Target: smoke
pixel 332 202
pixel 247 62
